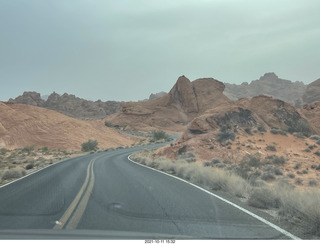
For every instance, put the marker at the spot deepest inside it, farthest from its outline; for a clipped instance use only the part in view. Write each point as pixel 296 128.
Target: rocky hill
pixel 173 111
pixel 271 85
pixel 312 93
pixel 25 125
pixel 70 105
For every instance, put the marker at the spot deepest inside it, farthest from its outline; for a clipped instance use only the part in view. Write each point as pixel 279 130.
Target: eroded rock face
pixel 271 85
pixel 312 93
pixel 30 98
pixel 70 105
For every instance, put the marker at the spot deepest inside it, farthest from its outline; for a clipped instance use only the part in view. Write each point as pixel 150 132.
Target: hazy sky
pixel 126 49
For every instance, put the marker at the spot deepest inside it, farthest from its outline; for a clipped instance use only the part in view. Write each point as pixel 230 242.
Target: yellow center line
pixel 74 221
pixel 82 205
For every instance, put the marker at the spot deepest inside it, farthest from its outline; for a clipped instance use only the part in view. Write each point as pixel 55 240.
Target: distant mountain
pixel 312 93
pixel 70 105
pixel 271 85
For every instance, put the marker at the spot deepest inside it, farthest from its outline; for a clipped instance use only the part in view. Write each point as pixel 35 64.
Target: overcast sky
pixel 126 49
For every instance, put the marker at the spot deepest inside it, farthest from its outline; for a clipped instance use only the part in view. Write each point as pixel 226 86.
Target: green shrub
pixel 315 137
pixel 225 135
pixel 13 173
pixel 248 130
pixel 261 128
pixel 182 150
pixel 263 198
pixel 271 148
pixel 159 135
pixel 278 132
pixel 317 153
pixel 3 151
pixel 274 159
pixel 28 149
pixel 90 145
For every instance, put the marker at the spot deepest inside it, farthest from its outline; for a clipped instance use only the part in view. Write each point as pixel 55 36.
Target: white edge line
pixel 37 171
pixel 288 234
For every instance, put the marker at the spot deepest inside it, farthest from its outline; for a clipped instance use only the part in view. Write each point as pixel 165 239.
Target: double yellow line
pixel 71 218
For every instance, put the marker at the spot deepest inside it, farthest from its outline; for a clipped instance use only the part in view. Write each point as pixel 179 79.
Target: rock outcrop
pixel 271 85
pixel 173 111
pixel 70 105
pixel 312 93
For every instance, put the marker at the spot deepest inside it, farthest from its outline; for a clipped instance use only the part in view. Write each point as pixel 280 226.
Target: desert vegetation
pixel 91 145
pixel 18 162
pixel 257 181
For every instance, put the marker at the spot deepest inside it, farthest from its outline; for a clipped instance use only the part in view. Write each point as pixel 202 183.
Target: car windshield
pixel 159 120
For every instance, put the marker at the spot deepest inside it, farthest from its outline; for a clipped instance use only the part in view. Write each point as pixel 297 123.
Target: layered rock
pixel 173 111
pixel 70 105
pixel 271 85
pixel 312 93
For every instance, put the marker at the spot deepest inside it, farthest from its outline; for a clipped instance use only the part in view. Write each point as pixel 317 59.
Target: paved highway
pixel 106 196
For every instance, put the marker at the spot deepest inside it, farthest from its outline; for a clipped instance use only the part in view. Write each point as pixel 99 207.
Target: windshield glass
pixel 159 120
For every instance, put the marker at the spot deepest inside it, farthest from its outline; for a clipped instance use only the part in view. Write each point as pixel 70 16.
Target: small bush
pixel 268 176
pixel 291 175
pixel 315 137
pixel 3 151
pixel 317 153
pixel 274 159
pixel 261 128
pixel 271 148
pixel 159 135
pixel 13 173
pixel 278 132
pixel 298 181
pixel 90 145
pixel 248 130
pixel 29 166
pixel 28 149
pixel 263 198
pixel 225 135
pixel 44 149
pixel 313 182
pixel 182 150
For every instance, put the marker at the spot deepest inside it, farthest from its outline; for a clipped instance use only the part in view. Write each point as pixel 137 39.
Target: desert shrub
pixel 27 149
pixel 304 171
pixel 268 176
pixel 182 150
pixel 263 198
pixel 271 148
pixel 29 166
pixel 3 151
pixel 291 175
pixel 90 145
pixel 44 149
pixel 278 132
pixel 315 137
pixel 298 181
pixel 302 126
pixel 318 142
pixel 261 128
pixel 188 156
pixel 248 130
pixel 317 153
pixel 278 171
pixel 13 173
pixel 299 135
pixel 313 182
pixel 274 159
pixel 159 135
pixel 225 135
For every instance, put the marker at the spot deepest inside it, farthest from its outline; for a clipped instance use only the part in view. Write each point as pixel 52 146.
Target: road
pixel 106 196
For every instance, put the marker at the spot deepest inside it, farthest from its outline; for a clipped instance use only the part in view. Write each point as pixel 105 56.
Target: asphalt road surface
pixel 102 196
